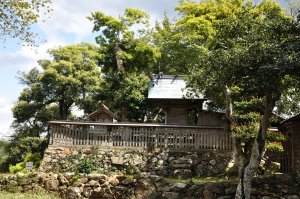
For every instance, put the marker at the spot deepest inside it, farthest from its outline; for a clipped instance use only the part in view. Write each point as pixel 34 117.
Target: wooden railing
pixel 64 133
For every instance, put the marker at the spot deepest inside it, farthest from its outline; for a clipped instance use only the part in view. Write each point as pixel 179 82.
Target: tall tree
pixel 126 52
pixel 249 51
pixel 17 16
pixel 70 77
pixel 32 111
pixel 177 55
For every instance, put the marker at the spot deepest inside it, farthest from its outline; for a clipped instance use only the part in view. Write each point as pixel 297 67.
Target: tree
pixel 18 16
pixel 249 51
pixel 177 54
pixel 71 77
pixel 126 52
pixel 32 111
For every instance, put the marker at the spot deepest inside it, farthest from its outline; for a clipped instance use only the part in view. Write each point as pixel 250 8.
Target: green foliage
pixel 246 52
pixel 274 136
pixel 35 158
pixel 274 147
pixel 17 17
pixel 3 144
pixel 70 77
pixel 18 168
pixel 124 48
pixel 127 60
pixel 85 166
pixel 23 149
pixel 246 131
pixel 32 112
pixel 130 97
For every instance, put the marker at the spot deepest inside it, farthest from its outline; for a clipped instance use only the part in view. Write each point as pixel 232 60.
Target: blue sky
pixel 67 25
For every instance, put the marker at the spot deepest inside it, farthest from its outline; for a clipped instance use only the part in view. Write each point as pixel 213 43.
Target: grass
pixel 38 195
pixel 199 180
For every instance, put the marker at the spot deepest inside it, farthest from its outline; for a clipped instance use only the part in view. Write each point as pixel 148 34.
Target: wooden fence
pixel 138 135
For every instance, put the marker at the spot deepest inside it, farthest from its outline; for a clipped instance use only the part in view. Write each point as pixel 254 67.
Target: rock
pixel 136 160
pixel 208 195
pixel 170 195
pixel 224 197
pixel 182 173
pixel 118 160
pixel 63 180
pixel 284 179
pixel 160 162
pixel 182 160
pixel 51 185
pixel 292 197
pixel 213 162
pixel 128 181
pixel 87 151
pixel 177 187
pixel 230 190
pixel 80 182
pixel 121 188
pixel 141 186
pixel 73 193
pixel 121 177
pixel 156 178
pixel 96 176
pixel 267 197
pixel 93 183
pixel 69 175
pixel 87 191
pixel 214 187
pixel 113 180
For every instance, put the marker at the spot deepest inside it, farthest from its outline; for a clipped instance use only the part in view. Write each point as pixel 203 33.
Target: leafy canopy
pixel 17 17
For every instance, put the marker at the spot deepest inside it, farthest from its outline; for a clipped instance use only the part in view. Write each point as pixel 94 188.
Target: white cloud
pixel 67 25
pixel 70 16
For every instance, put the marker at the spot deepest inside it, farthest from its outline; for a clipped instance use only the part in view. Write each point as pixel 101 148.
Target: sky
pixel 66 24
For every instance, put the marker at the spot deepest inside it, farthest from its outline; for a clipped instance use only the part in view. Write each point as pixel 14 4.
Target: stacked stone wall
pixel 167 163
pixel 146 186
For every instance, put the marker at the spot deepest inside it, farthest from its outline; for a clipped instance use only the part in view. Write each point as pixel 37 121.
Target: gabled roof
pixel 106 110
pixel 295 118
pixel 168 87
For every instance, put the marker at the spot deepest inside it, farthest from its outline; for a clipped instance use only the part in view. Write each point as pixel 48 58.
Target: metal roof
pixel 168 87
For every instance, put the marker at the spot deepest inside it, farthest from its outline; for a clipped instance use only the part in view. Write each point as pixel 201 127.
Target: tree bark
pixel 244 187
pixel 64 110
pixel 120 63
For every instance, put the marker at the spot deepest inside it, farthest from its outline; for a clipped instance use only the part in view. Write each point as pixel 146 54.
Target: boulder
pixel 182 173
pixel 73 193
pixel 51 185
pixel 170 195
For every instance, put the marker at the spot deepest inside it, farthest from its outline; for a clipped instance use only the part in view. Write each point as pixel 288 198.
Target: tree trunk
pixel 244 187
pixel 64 110
pixel 120 63
pixel 248 167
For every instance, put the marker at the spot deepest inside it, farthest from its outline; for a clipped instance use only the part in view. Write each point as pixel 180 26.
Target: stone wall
pixel 146 186
pixel 167 163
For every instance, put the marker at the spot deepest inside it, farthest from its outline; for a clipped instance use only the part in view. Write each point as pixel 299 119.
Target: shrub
pixel 20 167
pixel 18 149
pixel 17 168
pixel 85 166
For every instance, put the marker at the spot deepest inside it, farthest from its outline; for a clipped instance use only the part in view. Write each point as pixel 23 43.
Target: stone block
pixel 170 195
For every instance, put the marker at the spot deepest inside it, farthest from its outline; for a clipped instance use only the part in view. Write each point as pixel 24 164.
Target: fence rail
pixel 138 135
